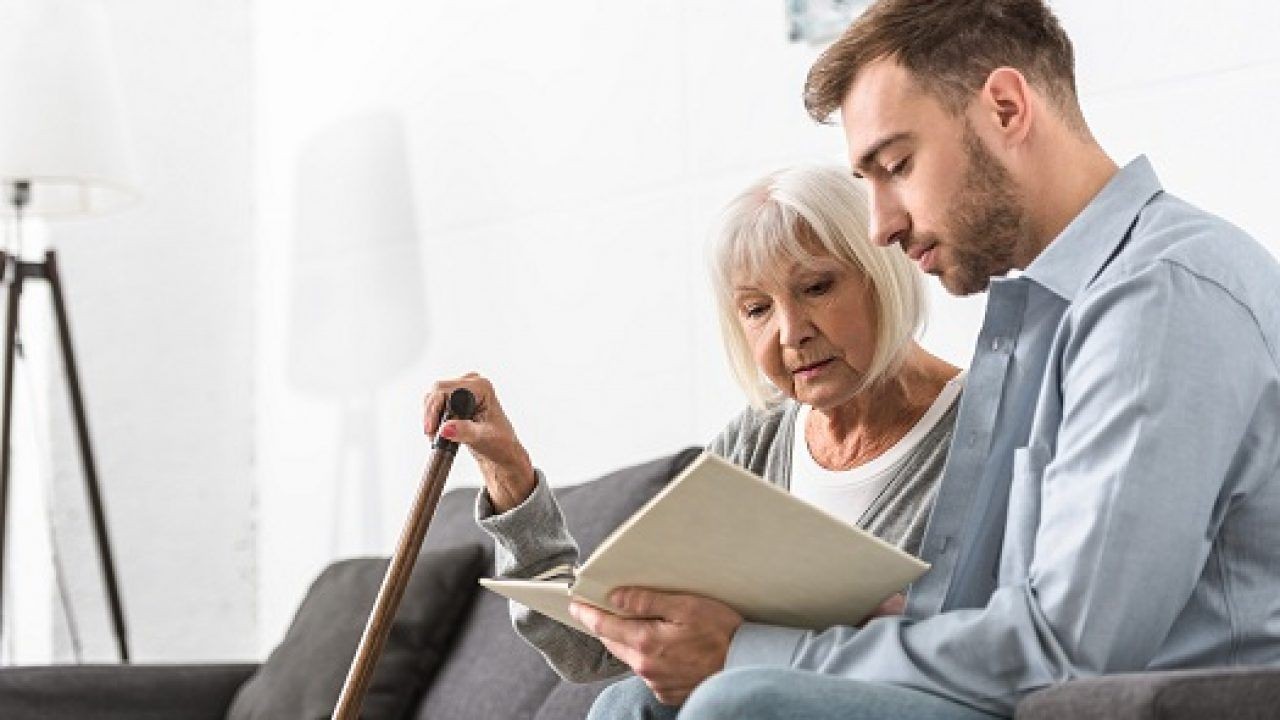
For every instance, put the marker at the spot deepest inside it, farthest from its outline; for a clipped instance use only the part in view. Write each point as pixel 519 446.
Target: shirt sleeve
pixel 529 539
pixel 1156 380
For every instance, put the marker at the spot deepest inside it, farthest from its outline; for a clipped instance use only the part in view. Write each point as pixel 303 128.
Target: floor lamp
pixel 357 315
pixel 63 153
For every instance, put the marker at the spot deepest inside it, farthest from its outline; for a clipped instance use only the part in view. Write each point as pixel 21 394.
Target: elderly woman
pixel 846 411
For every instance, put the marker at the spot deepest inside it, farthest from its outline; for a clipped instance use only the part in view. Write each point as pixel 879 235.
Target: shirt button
pixel 999 344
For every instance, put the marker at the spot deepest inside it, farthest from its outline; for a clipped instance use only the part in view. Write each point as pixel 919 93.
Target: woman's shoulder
pixel 754 427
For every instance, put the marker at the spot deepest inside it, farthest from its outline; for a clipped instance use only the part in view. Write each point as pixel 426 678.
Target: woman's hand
pixel 508 472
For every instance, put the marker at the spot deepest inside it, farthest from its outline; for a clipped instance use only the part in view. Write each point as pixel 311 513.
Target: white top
pixel 848 493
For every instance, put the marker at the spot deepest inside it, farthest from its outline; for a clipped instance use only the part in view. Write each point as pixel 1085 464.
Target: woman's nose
pixel 794 326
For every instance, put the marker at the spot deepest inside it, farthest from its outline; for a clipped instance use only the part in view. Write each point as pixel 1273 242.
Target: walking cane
pixel 462 405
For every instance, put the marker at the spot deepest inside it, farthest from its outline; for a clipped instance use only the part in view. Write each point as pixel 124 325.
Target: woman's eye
pixel 818 288
pixel 901 167
pixel 754 310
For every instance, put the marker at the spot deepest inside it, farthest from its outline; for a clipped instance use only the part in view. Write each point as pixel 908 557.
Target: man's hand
pixel 892 605
pixel 682 640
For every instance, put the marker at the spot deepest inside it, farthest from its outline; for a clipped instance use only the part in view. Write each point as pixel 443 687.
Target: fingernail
pixel 448 432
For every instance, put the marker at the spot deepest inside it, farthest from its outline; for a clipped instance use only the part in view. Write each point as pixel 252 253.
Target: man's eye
pixel 901 167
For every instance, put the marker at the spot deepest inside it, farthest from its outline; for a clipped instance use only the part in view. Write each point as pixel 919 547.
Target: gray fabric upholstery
pixel 1236 693
pixel 568 701
pixel 304 675
pixel 489 673
pixel 120 692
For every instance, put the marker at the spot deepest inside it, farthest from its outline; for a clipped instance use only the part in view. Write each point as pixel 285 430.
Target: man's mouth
pixel 925 255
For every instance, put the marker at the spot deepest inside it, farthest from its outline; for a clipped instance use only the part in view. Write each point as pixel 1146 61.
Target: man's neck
pixel 1070 176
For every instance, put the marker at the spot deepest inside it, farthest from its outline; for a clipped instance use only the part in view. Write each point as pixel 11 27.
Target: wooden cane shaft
pixel 393 587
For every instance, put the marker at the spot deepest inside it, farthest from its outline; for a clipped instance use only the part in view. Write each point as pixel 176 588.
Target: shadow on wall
pixel 357 315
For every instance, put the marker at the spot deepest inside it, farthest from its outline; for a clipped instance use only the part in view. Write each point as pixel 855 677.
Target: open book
pixel 718 530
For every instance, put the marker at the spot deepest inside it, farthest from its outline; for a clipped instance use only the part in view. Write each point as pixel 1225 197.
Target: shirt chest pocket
pixel 1023 520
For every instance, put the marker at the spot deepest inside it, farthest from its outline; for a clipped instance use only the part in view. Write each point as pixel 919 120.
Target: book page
pixel 549 597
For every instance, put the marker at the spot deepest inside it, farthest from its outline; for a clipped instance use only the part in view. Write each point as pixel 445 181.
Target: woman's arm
pixel 518 509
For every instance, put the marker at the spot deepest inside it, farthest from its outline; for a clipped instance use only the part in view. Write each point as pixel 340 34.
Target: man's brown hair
pixel 950 47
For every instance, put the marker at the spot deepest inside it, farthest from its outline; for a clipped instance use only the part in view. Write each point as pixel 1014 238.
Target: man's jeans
pixel 780 694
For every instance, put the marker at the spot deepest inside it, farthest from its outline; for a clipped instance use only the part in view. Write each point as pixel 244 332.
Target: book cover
pixel 719 531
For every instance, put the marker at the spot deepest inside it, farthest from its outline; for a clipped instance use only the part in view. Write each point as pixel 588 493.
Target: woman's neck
pixel 874 420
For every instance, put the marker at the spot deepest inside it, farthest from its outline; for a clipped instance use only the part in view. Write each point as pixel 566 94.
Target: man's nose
pixel 889 223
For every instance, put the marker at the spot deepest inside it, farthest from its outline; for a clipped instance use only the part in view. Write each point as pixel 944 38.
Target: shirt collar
pixel 1074 258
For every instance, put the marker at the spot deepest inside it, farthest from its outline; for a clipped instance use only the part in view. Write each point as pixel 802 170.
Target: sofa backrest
pixel 490 672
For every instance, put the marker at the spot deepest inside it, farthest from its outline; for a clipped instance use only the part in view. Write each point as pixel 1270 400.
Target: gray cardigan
pixel 532 538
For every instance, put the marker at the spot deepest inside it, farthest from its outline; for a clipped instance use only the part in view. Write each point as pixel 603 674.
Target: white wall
pixel 565 162
pixel 1194 87
pixel 161 306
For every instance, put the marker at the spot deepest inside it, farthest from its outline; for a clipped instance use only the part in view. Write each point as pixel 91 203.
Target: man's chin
pixel 962 284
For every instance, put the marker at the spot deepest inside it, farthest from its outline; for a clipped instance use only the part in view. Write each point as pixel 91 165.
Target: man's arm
pixel 1156 384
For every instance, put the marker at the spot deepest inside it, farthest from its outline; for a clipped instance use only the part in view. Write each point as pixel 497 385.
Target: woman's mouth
pixel 812 369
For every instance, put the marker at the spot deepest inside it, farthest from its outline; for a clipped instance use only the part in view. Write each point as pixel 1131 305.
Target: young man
pixel 1111 497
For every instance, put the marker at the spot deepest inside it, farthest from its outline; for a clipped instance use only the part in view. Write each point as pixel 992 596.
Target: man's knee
pixel 737 693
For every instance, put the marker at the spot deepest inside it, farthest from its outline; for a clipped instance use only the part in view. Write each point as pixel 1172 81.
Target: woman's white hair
pixel 776 222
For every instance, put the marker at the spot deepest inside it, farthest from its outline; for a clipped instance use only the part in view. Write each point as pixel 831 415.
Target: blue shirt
pixel 1112 498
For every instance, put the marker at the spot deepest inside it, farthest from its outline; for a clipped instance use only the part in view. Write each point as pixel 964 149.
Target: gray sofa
pixel 473 666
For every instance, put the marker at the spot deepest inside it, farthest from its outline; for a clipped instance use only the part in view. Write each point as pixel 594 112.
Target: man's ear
pixel 1005 104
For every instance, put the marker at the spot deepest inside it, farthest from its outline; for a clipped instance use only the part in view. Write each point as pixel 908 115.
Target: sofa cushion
pixel 570 700
pixel 1239 693
pixel 121 692
pixel 304 674
pixel 491 672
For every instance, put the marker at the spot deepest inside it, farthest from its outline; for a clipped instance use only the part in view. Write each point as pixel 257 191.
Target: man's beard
pixel 987 222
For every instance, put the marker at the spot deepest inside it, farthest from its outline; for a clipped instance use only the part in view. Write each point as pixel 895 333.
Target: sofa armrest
pixel 1237 693
pixel 108 692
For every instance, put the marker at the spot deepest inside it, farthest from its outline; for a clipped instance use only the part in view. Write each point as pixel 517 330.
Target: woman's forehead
pixel 779 268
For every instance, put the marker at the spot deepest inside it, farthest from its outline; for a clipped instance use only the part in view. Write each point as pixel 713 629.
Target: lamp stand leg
pixel 10 353
pixel 86 451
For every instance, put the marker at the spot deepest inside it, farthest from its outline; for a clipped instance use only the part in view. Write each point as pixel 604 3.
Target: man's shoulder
pixel 1172 235
pixel 1194 256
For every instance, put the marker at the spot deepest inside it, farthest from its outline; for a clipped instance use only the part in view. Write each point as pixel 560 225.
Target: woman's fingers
pixel 434 402
pixel 507 469
pixel 467 432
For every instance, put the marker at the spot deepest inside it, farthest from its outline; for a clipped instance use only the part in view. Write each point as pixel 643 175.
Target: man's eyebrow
pixel 869 156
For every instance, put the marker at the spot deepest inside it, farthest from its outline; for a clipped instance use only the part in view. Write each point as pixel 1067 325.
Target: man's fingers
pixel 640 602
pixel 635 634
pixel 597 622
pixel 625 653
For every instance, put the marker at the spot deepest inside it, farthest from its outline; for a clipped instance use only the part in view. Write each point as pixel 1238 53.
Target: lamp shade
pixel 357 313
pixel 61 115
